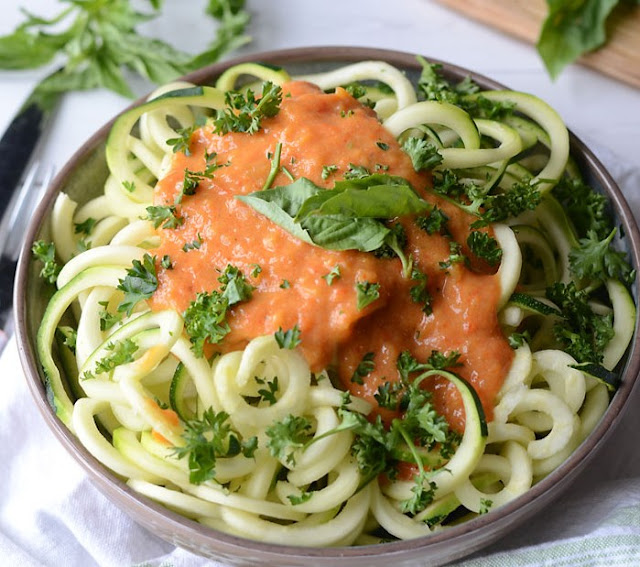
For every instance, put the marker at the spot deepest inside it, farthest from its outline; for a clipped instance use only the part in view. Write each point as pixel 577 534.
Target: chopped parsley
pixel 356 172
pixel 205 318
pixel 365 367
pixel 327 170
pixel 434 221
pixel 166 262
pixel 484 246
pixel 334 274
pixel 485 505
pixel 300 498
pixel 69 337
pixel 139 284
pixel 476 200
pixel 193 245
pixel 288 339
pixel 455 256
pixel 244 113
pixel 287 435
pixel 85 227
pixel 192 179
pixel 183 141
pixel 423 153
pixel 120 352
pixel 419 292
pixel 235 287
pixel 596 260
pixel 108 319
pixel 256 270
pixel 208 439
pixel 582 333
pixel 165 216
pixel 268 394
pixel 46 253
pixel 367 293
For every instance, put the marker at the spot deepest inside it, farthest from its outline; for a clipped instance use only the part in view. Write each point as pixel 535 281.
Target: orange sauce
pixel 316 130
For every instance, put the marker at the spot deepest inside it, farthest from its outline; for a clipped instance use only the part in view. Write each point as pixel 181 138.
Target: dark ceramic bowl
pixel 87 168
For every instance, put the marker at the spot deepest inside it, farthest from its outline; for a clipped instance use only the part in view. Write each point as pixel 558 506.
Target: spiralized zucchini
pixel 133 415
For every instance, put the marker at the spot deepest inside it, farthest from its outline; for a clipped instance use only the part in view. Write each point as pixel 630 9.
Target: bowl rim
pixel 479 531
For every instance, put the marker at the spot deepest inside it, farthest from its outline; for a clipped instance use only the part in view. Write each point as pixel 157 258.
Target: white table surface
pixel 593 106
pixel 596 108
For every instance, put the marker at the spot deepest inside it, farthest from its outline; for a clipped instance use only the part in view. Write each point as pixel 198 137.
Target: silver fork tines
pixel 12 233
pixel 13 226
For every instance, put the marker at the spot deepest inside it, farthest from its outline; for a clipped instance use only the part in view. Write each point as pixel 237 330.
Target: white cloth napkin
pixel 50 514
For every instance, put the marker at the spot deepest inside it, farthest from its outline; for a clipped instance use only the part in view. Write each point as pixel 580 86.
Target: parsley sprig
pixel 476 200
pixel 165 216
pixel 205 319
pixel 208 439
pixel 46 253
pixel 244 113
pixel 594 259
pixel 139 284
pixel 419 435
pixel 581 332
pixel 433 86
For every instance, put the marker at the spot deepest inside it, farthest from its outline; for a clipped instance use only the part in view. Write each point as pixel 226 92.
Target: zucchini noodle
pixel 136 387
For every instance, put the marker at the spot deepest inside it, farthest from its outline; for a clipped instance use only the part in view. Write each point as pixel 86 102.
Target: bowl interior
pixel 85 174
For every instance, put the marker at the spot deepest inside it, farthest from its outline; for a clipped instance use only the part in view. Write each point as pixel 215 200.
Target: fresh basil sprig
pixel 351 216
pixel 572 29
pixel 98 39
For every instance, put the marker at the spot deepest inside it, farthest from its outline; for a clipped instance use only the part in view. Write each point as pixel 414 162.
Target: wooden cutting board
pixel 619 58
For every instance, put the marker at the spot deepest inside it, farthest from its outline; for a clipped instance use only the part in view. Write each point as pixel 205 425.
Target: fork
pixel 12 232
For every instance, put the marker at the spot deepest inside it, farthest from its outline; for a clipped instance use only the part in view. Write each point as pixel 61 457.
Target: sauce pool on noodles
pixel 317 130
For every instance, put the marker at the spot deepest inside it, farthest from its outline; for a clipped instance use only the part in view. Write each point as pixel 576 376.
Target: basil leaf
pixel 378 201
pixel 21 50
pixel 347 217
pixel 369 181
pixel 340 232
pixel 571 29
pixel 281 204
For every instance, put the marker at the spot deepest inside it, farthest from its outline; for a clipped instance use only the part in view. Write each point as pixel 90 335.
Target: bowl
pixel 87 168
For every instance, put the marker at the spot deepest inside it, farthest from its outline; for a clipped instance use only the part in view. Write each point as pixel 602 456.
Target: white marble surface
pixel 596 108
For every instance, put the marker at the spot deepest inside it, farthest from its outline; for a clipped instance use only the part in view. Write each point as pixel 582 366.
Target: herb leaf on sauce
pixel 235 287
pixel 348 217
pixel 367 293
pixel 366 366
pixel 205 318
pixel 288 339
pixel 419 292
pixel 334 274
pixel 434 221
pixel 484 246
pixel 165 216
